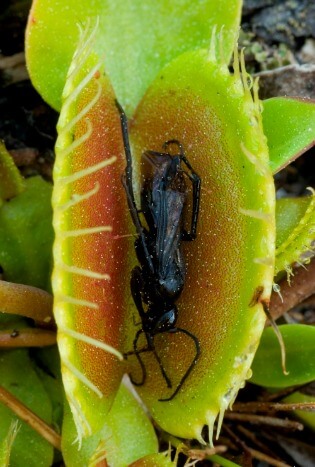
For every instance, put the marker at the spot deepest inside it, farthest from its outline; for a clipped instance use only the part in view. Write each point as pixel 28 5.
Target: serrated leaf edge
pixel 295 248
pixel 83 56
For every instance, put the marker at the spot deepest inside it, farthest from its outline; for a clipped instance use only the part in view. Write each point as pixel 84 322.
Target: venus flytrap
pixel 189 97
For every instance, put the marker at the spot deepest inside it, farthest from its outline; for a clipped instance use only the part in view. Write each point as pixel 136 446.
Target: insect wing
pixel 167 213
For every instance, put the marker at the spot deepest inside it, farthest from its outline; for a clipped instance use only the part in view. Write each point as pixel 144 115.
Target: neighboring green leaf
pixel 307 417
pixel 219 460
pixel 26 235
pixel 47 360
pixel 299 343
pixel 295 227
pixel 289 125
pixel 10 321
pixel 6 444
pixel 48 370
pixel 11 181
pixel 127 435
pixel 18 376
pixel 135 38
pixel 289 213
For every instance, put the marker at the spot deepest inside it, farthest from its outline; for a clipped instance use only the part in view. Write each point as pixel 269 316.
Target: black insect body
pixel 159 280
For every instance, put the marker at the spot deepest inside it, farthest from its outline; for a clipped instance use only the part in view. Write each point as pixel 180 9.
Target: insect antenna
pixel 168 381
pixel 193 363
pixel 137 353
pixel 174 141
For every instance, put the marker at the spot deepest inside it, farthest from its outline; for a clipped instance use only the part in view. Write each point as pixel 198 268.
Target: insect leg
pixel 173 141
pixel 137 352
pixel 136 287
pixel 124 130
pixel 196 184
pixel 196 357
pixel 135 322
pixel 127 183
pixel 151 344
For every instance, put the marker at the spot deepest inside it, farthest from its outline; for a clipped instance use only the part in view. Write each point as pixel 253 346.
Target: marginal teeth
pixel 198 436
pixel 210 417
pixel 220 418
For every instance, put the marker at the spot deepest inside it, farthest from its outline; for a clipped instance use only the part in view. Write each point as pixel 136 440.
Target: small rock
pixel 307 53
pixel 292 80
pixel 285 21
pixel 252 5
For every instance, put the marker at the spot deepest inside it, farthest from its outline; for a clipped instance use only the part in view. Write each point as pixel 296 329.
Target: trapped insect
pixel 159 280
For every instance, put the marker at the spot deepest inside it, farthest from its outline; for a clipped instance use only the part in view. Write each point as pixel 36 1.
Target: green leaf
pixel 88 199
pixel 154 460
pixel 18 376
pixel 295 226
pixel 135 38
pixel 48 370
pixel 127 435
pixel 219 460
pixel 11 181
pixel 289 213
pixel 299 343
pixel 26 235
pixel 188 102
pixel 289 125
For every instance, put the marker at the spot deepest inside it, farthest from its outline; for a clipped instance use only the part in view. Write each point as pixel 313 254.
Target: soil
pixel 27 123
pixel 279 36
